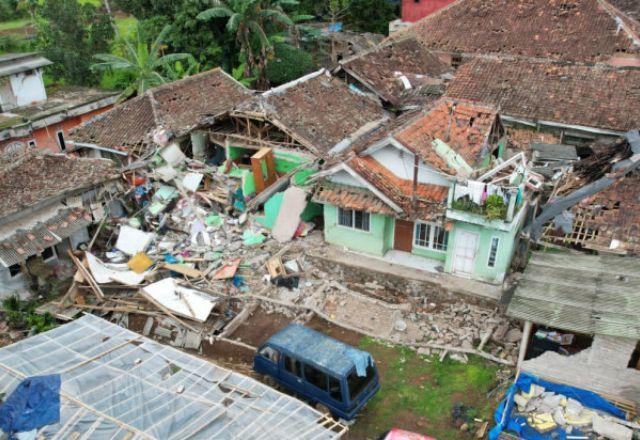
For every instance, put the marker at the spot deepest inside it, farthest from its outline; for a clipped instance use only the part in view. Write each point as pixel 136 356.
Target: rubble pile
pixel 546 411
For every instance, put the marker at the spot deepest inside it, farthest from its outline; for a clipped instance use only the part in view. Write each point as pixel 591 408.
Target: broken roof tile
pixel 464 127
pixel 178 107
pixel 318 110
pixel 33 178
pixel 381 68
pixel 429 200
pixel 553 92
pixel 570 30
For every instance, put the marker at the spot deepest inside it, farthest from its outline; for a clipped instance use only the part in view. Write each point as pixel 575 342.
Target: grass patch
pixel 418 395
pixel 14 24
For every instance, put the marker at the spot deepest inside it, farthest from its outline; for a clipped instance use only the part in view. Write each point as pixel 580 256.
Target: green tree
pixel 143 9
pixel 371 16
pixel 288 63
pixel 251 22
pixel 144 62
pixel 337 10
pixel 69 34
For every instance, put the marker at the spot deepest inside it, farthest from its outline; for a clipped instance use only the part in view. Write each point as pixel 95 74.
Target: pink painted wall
pixel 414 10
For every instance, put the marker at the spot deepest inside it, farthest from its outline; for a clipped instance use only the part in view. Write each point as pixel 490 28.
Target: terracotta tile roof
pixel 570 30
pixel 380 68
pixel 464 127
pixel 36 178
pixel 178 106
pixel 124 127
pixel 350 197
pixel 430 199
pixel 319 111
pixel 551 92
pixel 185 104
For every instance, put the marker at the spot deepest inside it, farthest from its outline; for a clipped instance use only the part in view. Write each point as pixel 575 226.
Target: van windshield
pixel 357 384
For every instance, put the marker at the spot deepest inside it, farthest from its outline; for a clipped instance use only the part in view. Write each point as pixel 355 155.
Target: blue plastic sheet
pixel 506 420
pixel 361 359
pixel 34 403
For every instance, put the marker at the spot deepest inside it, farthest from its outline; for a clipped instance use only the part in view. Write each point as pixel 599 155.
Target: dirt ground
pixel 260 326
pixel 339 333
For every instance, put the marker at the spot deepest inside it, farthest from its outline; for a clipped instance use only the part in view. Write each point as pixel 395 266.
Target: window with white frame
pixel 493 252
pixel 430 236
pixel 49 254
pixel 351 218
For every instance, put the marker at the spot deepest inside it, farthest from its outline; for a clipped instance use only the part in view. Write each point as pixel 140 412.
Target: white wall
pixel 344 178
pixel 28 88
pixel 9 285
pixel 400 163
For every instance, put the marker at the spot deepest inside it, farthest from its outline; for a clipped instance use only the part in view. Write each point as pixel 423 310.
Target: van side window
pixel 270 353
pixel 292 366
pixel 315 377
pixel 335 391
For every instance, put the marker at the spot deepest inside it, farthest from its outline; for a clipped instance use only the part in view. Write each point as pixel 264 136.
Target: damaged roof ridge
pixel 380 47
pixel 619 17
pixel 295 82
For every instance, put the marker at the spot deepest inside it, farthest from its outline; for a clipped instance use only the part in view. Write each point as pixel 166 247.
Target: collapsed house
pixel 115 383
pixel 593 205
pixel 34 117
pixel 48 201
pixel 553 102
pixel 426 186
pixel 176 113
pixel 288 129
pixel 402 74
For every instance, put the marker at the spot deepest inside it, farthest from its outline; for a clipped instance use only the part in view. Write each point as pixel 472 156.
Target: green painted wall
pixel 506 250
pixel 428 253
pixel 373 242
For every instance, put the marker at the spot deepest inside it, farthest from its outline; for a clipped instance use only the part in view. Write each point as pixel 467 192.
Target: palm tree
pixel 145 63
pixel 250 21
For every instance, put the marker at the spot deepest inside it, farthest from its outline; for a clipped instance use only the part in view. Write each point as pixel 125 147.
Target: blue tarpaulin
pixel 506 420
pixel 34 403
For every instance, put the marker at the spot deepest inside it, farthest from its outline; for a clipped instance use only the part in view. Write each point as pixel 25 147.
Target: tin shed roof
pixel 591 294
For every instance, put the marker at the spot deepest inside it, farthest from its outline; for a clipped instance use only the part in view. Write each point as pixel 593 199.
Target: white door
pixel 464 255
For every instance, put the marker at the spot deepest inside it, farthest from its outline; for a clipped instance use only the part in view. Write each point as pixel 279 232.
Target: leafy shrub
pixel 495 209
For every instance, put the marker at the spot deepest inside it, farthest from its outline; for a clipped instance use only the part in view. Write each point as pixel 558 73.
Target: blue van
pixel 320 369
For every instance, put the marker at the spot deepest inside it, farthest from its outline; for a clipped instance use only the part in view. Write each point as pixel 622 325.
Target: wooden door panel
pixel 403 236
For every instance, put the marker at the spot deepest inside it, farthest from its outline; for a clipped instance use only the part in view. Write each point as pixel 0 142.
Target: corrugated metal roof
pixel 21 62
pixel 591 294
pixel 24 244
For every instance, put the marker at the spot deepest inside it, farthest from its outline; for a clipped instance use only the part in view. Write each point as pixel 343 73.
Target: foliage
pixel 371 15
pixel 14 43
pixel 466 204
pixel 209 44
pixel 251 22
pixel 21 315
pixel 143 9
pixel 144 62
pixel 69 34
pixel 288 64
pixel 9 10
pixel 495 209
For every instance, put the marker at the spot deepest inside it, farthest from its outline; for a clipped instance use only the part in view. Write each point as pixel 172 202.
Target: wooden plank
pixel 183 270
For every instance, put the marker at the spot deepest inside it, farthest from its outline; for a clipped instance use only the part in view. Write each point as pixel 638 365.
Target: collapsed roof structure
pixel 119 384
pixel 586 31
pixel 392 70
pixel 178 107
pixel 317 113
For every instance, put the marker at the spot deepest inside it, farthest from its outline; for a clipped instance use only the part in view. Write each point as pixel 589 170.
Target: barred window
pixel 354 219
pixel 493 252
